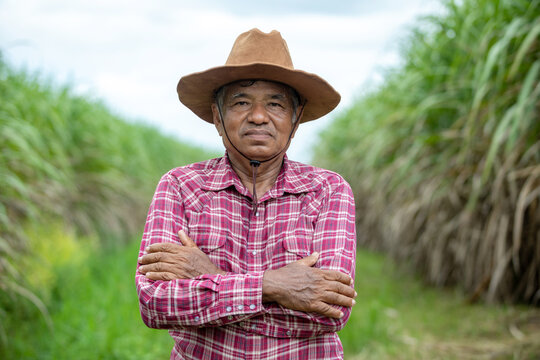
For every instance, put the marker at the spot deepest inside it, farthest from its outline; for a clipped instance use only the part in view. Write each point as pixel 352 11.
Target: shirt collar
pixel 222 176
pixel 292 179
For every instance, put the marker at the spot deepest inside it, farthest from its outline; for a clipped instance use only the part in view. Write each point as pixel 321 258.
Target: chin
pixel 260 153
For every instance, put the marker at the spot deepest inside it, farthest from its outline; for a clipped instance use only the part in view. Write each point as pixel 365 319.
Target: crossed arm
pixel 179 286
pixel 296 286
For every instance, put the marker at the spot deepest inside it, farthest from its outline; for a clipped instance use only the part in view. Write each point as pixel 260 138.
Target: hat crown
pixel 255 46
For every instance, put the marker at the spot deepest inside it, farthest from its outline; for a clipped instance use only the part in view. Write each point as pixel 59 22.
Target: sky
pixel 131 54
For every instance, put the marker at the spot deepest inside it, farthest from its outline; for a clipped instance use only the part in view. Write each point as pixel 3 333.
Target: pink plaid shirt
pixel 223 316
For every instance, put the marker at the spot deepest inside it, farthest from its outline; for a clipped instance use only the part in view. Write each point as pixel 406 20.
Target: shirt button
pixel 229 308
pixel 253 326
pixel 240 307
pixel 252 306
pixel 289 332
pixel 254 253
pixel 197 318
pixel 229 317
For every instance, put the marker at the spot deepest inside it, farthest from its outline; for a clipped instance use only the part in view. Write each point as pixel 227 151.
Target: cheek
pixel 285 127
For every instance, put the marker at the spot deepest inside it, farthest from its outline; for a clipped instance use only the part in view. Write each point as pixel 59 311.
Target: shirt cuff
pixel 240 296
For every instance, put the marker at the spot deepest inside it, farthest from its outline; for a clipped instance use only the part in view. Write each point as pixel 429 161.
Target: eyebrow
pixel 238 95
pixel 279 97
pixel 274 96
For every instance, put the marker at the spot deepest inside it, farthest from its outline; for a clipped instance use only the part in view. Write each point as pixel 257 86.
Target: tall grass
pixel 67 157
pixel 93 310
pixel 444 156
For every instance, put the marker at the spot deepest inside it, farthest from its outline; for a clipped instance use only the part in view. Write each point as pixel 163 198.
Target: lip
pixel 258 134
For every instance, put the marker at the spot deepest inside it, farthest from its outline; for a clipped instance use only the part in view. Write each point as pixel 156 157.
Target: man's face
pixel 258 118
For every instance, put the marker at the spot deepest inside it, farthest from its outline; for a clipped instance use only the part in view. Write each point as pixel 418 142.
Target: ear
pixel 216 119
pixel 300 111
pixel 295 128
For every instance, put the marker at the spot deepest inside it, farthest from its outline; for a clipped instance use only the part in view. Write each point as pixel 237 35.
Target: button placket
pixel 255 237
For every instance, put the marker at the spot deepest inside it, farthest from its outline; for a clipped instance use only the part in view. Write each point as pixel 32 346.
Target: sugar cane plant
pixel 444 155
pixel 68 159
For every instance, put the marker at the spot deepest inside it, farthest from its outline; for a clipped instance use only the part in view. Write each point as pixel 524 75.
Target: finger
pixel 154 257
pixel 309 260
pixel 186 240
pixel 156 267
pixel 334 275
pixel 343 289
pixel 165 276
pixel 327 310
pixel 161 247
pixel 334 298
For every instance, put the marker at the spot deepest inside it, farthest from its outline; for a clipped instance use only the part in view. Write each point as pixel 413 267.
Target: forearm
pixel 283 320
pixel 294 323
pixel 209 300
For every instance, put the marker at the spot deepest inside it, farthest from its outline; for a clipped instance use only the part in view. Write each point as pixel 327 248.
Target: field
pixel 443 158
pixel 398 317
pixel 94 315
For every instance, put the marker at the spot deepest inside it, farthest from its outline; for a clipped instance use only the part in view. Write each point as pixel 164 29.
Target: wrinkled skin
pixel 296 286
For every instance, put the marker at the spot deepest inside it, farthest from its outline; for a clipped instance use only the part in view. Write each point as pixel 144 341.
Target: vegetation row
pixel 68 162
pixel 444 155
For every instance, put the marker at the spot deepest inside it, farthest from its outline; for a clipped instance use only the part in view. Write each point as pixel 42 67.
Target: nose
pixel 258 114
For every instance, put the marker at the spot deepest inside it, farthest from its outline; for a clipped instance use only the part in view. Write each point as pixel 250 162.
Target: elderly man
pixel 251 256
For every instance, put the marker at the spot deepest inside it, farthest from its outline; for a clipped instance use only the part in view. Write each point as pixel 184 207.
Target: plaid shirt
pixel 222 316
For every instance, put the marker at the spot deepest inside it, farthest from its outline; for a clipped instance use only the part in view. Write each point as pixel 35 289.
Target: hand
pixel 168 261
pixel 300 286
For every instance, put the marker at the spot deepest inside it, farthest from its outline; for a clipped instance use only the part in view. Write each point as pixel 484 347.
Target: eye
pixel 241 103
pixel 275 104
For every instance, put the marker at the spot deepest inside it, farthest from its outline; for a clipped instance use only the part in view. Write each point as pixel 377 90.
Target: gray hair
pixel 219 95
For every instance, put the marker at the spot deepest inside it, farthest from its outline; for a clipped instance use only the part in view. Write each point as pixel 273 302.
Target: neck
pixel 267 172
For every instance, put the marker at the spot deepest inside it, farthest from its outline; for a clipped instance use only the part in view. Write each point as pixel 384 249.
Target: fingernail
pixel 353 302
pixel 340 315
pixel 147 249
pixel 140 259
pixel 355 294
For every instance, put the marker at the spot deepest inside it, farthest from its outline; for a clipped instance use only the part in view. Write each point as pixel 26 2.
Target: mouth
pixel 258 134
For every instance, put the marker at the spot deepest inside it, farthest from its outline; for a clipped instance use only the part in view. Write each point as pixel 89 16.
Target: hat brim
pixel 196 91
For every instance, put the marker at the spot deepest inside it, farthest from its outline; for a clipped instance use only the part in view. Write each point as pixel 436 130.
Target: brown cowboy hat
pixel 257 55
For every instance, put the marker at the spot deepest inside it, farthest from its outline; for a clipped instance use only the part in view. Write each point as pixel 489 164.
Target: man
pixel 251 256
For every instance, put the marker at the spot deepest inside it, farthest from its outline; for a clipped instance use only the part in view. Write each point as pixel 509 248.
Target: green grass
pixel 95 315
pixel 398 317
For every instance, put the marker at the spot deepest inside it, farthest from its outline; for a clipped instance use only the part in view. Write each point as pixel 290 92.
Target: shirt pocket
pixel 212 243
pixel 298 244
pixel 208 231
pixel 207 238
